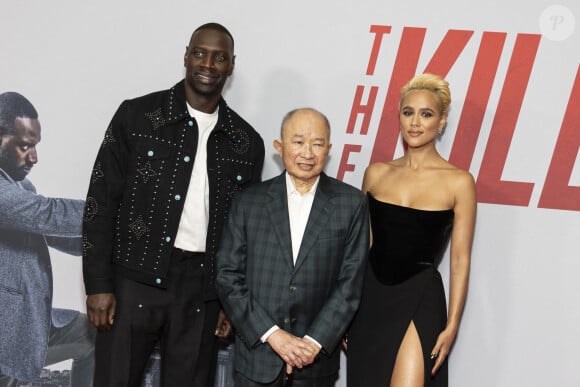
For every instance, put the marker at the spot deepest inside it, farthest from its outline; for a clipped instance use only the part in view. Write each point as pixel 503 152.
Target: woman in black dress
pixel 403 332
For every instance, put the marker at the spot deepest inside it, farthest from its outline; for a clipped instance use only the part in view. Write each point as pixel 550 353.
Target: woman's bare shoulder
pixel 381 169
pixel 377 167
pixel 458 175
pixel 376 173
pixel 461 182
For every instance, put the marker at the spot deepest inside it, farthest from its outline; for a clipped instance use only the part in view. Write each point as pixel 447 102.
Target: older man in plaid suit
pixel 291 263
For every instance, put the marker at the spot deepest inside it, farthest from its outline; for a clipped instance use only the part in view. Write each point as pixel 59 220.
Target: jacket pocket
pixel 10 303
pixel 151 160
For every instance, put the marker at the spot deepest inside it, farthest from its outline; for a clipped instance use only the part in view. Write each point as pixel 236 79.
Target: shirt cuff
pixel 268 333
pixel 314 341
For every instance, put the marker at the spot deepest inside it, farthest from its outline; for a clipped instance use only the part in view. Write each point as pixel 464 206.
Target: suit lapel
pixel 316 220
pixel 277 209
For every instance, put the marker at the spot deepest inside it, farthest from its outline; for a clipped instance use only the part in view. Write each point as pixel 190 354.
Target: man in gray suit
pixel 291 262
pixel 33 334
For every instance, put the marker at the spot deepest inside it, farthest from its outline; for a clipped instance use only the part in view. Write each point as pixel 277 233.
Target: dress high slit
pixel 402 285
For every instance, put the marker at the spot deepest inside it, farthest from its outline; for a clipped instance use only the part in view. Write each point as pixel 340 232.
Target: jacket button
pixel 178 197
pixel 150 153
pixel 292 287
pixel 167 239
pixel 239 178
pixel 158 281
pixel 190 123
pixel 187 159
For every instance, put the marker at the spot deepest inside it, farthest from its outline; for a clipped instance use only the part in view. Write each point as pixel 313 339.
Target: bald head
pixel 304 146
pixel 305 114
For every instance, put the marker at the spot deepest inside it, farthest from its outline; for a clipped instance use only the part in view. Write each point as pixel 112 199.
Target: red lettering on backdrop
pixel 404 69
pixel 344 165
pixel 476 99
pixel 491 189
pixel 379 31
pixel 448 51
pixel 359 108
pixel 557 193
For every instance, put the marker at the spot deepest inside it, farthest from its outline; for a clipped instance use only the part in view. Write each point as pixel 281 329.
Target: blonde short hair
pixel 431 82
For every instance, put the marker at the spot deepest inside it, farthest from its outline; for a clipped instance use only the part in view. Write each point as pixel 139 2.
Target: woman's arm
pixel 465 206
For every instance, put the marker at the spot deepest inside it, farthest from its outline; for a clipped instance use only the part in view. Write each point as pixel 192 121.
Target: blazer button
pixel 286 321
pixel 158 281
pixel 292 287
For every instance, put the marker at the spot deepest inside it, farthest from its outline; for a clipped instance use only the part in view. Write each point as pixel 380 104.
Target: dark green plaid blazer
pixel 259 286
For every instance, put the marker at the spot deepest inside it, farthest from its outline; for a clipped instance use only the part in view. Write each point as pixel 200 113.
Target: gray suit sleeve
pixel 24 210
pixel 333 319
pixel 249 318
pixel 72 246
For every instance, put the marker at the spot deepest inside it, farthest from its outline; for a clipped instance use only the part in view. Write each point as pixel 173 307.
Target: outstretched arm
pixel 22 209
pixel 72 246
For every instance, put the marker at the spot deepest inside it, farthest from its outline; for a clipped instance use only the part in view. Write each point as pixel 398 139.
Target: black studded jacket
pixel 139 183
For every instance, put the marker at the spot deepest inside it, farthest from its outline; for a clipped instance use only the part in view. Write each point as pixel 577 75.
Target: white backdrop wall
pixel 514 123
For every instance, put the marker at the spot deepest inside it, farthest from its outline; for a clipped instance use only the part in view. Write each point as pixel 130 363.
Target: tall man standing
pixel 32 333
pixel 291 262
pixel 160 190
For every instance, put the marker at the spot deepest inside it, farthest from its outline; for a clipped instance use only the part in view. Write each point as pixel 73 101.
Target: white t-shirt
pixel 192 230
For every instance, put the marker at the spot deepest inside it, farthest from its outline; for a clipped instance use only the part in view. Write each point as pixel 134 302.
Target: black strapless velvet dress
pixel 401 285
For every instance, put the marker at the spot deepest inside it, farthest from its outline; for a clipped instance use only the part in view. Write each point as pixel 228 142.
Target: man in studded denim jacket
pixel 168 168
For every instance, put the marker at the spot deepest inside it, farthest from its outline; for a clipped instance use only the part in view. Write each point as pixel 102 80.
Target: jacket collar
pixel 6 176
pixel 278 210
pixel 175 109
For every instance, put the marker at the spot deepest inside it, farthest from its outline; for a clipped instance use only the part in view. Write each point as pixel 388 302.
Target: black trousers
pixel 177 319
pixel 282 381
